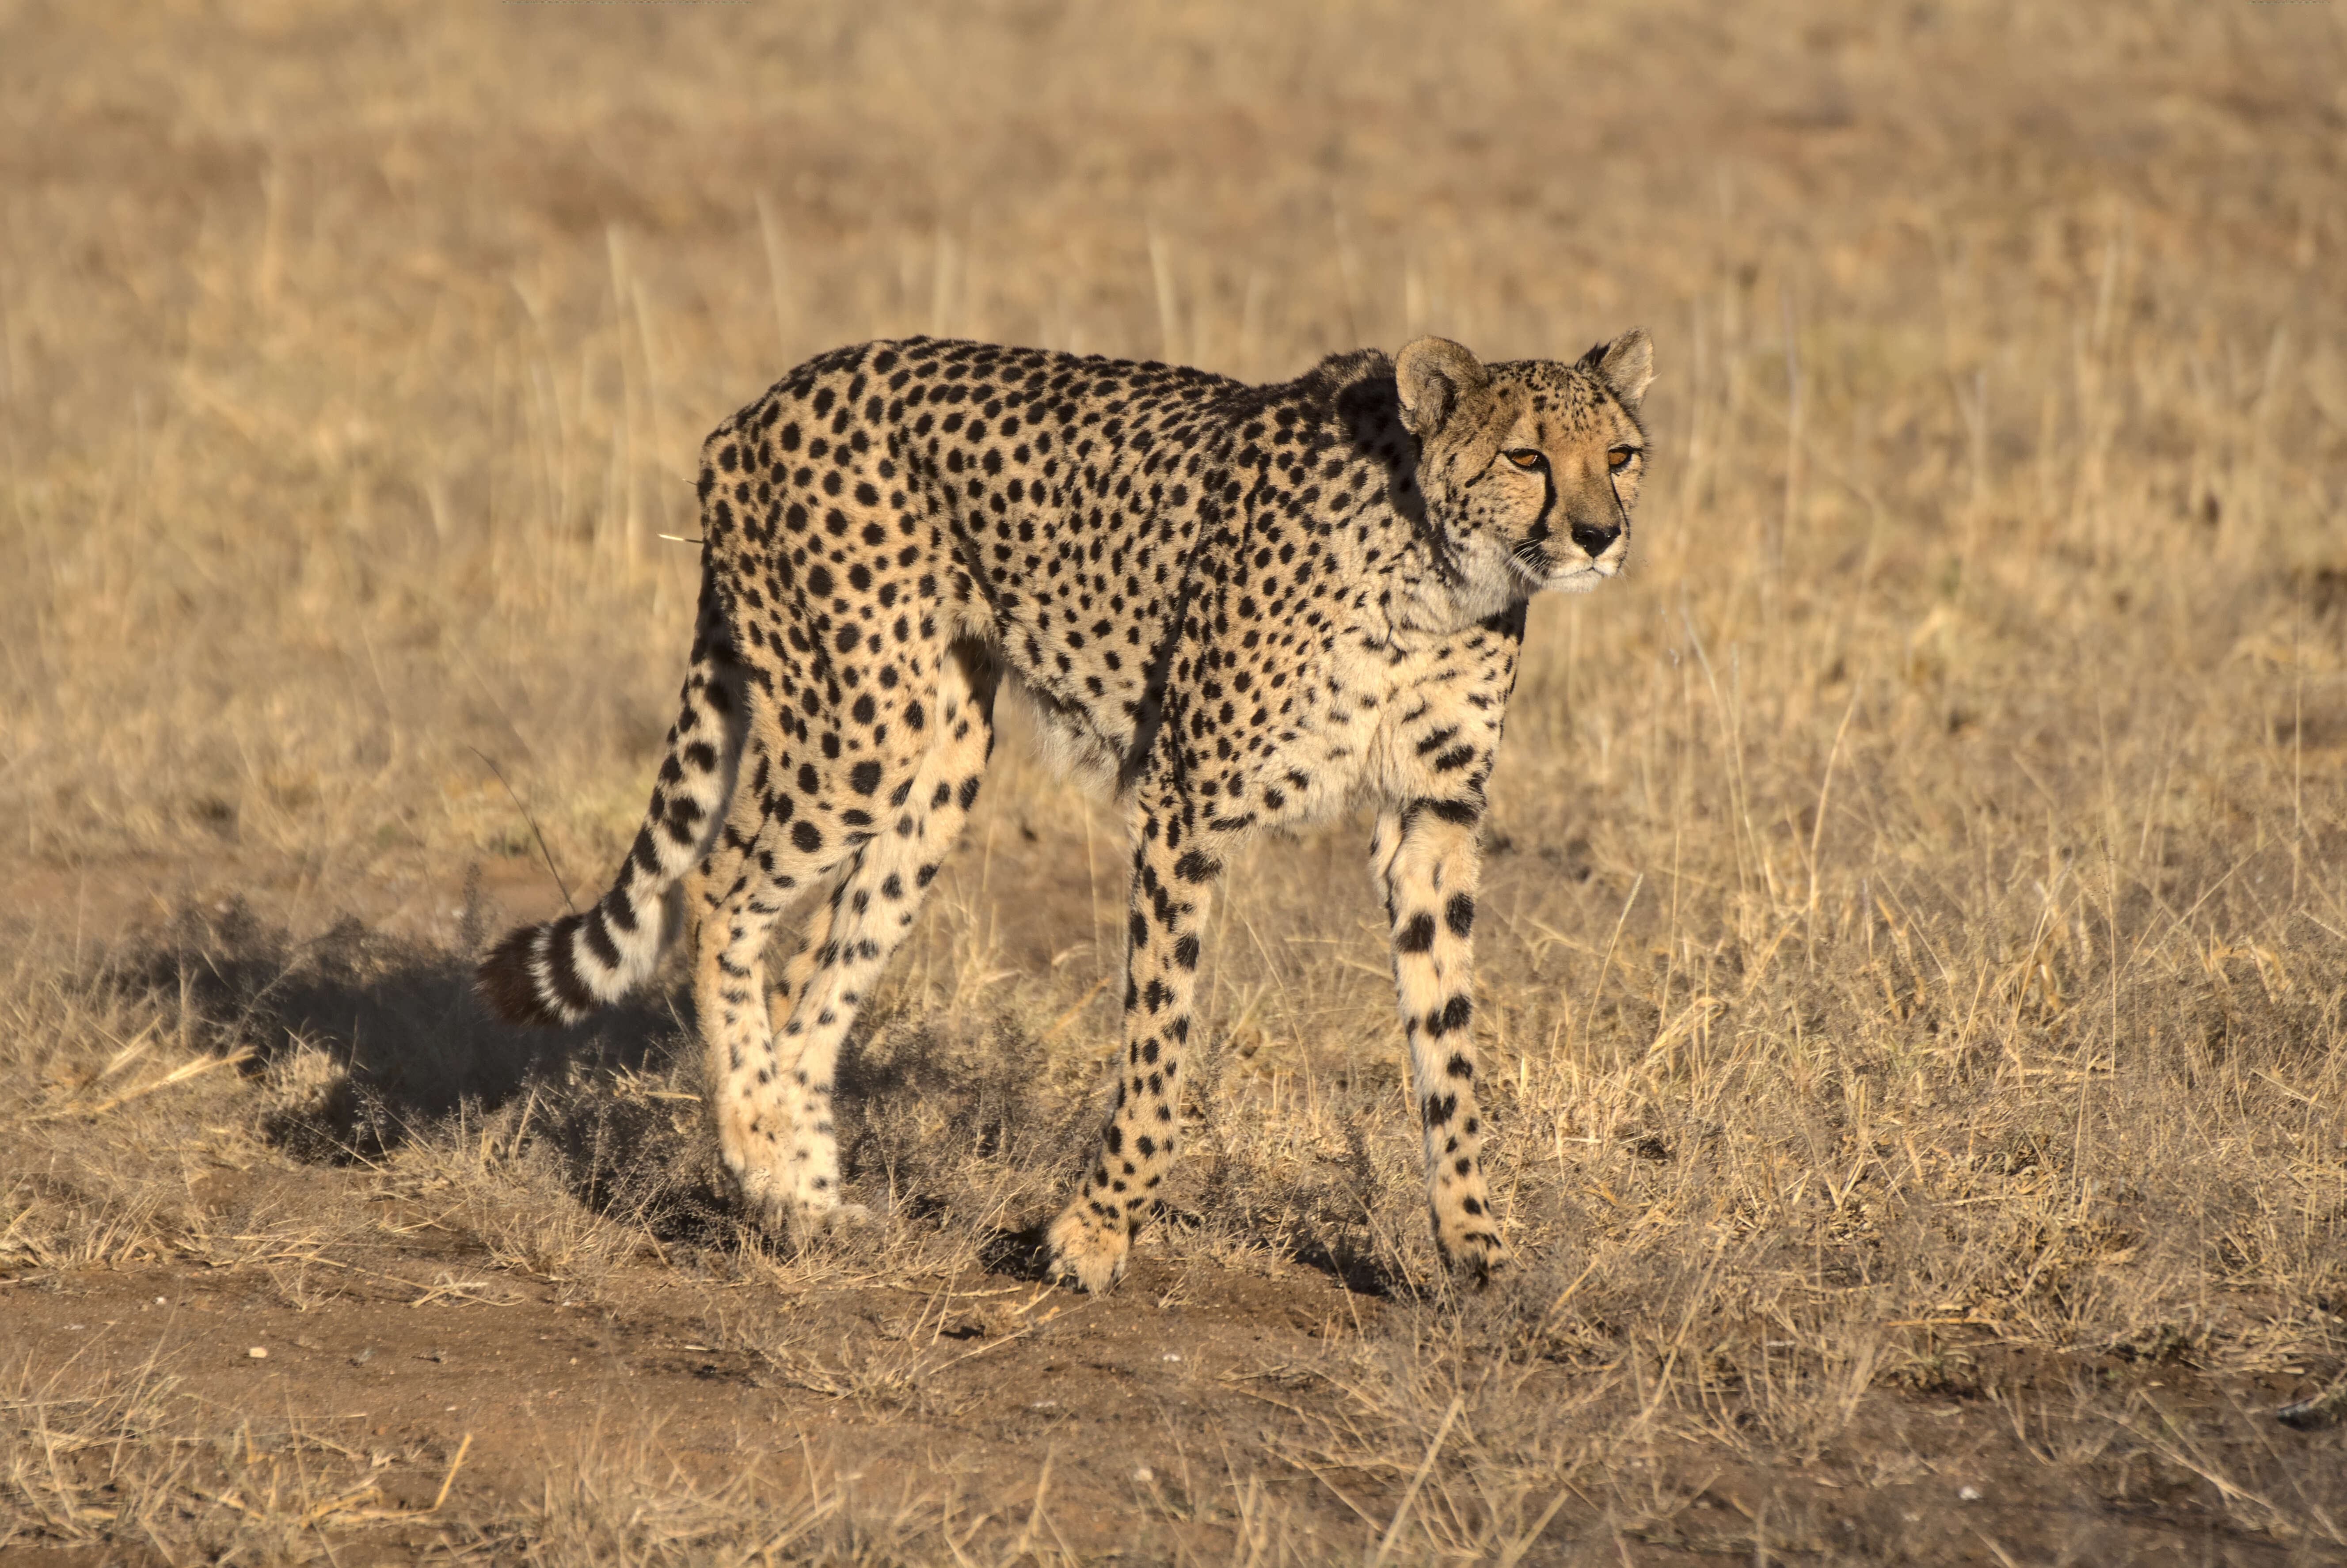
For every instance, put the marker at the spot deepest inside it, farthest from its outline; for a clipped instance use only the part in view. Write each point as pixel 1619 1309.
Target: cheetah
pixel 1244 609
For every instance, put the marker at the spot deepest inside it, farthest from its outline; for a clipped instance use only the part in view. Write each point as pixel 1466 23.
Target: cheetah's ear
pixel 1626 365
pixel 1435 377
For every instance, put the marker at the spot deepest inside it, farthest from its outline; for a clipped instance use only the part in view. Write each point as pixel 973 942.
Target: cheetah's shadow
pixel 362 1042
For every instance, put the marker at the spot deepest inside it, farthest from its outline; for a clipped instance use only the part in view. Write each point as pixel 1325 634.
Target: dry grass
pixel 1916 913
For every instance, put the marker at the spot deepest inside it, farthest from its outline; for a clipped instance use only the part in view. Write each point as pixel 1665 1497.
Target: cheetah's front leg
pixel 1426 867
pixel 1172 880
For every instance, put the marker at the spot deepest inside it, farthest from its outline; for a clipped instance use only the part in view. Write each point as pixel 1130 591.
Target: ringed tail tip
pixel 514 979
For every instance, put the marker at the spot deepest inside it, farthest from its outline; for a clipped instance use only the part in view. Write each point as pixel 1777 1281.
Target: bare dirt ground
pixel 1911 978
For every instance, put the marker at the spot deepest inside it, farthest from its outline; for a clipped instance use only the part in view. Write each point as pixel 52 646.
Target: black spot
pixel 864 777
pixel 1460 913
pixel 644 854
pixel 1453 1016
pixel 1196 866
pixel 805 835
pixel 1417 937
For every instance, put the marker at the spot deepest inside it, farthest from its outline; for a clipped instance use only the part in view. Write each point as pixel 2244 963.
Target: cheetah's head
pixel 1528 468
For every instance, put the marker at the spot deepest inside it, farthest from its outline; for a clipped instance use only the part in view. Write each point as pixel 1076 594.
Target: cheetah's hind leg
pixel 879 842
pixel 798 971
pixel 740 900
pixel 868 917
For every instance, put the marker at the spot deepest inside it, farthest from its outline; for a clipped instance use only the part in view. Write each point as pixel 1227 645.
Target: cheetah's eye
pixel 1525 457
pixel 1619 458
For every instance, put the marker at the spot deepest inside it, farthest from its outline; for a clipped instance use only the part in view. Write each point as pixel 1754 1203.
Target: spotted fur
pixel 1244 607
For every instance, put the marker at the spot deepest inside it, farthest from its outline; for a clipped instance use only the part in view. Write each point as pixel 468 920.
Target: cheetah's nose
pixel 1593 541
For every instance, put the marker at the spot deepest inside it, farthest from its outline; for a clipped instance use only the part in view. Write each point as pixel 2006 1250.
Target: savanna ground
pixel 1915 937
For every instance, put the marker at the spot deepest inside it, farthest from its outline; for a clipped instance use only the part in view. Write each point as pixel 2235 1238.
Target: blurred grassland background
pixel 1917 901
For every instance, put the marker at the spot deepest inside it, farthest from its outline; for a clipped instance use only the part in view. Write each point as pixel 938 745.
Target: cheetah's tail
pixel 561 970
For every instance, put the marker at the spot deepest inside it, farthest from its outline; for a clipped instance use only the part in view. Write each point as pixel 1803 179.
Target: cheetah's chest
pixel 1364 726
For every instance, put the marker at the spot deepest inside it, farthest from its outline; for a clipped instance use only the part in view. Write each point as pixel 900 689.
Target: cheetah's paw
pixel 764 1197
pixel 1474 1255
pixel 1088 1253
